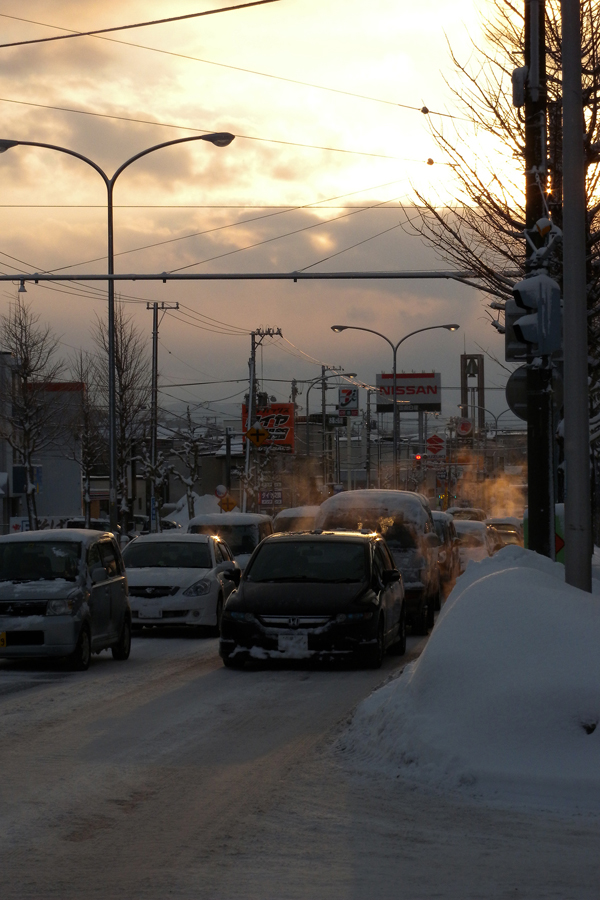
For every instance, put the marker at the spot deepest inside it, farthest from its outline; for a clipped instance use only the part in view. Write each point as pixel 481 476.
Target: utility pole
pixel 324 386
pixel 368 447
pixel 540 443
pixel 154 521
pixel 256 337
pixel 578 525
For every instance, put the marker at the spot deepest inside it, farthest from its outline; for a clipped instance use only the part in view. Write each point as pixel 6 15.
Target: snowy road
pixel 169 776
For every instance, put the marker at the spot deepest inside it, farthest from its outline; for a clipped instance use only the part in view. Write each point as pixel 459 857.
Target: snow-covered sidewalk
pixel 504 701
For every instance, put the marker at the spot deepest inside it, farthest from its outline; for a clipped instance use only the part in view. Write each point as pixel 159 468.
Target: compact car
pixel 178 579
pixel 63 592
pixel 333 595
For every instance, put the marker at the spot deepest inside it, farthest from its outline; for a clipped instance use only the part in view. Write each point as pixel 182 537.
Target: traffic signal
pixel 540 330
pixel 418 457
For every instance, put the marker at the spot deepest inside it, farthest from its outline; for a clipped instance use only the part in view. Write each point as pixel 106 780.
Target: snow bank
pixel 500 702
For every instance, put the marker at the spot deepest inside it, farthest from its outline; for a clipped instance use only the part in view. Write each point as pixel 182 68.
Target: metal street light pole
pixel 339 328
pixel 220 139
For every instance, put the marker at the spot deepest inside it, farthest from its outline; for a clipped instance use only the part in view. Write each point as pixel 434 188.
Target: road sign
pixel 464 428
pixel 257 435
pixel 221 491
pixel 227 503
pixel 436 446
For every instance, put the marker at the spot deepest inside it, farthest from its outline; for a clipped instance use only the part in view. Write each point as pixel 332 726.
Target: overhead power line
pixel 245 137
pixel 98 31
pixel 209 62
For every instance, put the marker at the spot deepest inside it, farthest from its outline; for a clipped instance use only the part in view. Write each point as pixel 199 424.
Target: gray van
pixel 405 521
pixel 63 592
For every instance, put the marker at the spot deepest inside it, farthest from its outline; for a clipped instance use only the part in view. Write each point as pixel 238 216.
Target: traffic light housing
pixel 540 329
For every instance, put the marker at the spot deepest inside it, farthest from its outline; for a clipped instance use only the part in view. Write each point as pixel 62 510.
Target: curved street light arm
pixel 428 328
pixel 223 137
pixel 360 328
pixel 6 145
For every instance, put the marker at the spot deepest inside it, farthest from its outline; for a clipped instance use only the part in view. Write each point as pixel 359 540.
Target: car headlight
pixel 199 589
pixel 59 607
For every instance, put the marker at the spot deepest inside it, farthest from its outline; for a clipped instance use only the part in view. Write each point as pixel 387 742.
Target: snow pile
pixel 205 503
pixel 504 701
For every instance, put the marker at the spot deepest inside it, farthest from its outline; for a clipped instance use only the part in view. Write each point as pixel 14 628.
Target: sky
pixel 316 178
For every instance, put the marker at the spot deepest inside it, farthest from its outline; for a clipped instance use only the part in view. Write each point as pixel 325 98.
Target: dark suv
pixel 329 595
pixel 404 519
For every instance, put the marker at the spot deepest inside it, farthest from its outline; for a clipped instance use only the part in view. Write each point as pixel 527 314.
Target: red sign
pixel 464 427
pixel 436 445
pixel 278 420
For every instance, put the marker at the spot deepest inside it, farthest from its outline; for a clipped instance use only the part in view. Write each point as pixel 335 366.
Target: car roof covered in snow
pixel 408 504
pixel 233 518
pixel 171 537
pixel 65 535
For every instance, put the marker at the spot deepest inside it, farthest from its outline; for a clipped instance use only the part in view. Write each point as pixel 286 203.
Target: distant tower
pixel 471 366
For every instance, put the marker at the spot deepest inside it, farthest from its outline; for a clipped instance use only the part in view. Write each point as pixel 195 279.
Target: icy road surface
pixel 169 776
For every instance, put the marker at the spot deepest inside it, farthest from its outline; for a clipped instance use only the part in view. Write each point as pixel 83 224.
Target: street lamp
pixel 311 385
pixel 219 139
pixel 339 328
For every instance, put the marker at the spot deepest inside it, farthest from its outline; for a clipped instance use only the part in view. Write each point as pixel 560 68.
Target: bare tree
pixel 158 472
pixel 32 417
pixel 87 425
pixel 132 382
pixel 190 441
pixel 483 230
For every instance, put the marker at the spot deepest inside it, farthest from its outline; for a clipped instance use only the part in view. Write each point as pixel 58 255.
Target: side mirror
pixel 389 576
pixel 233 575
pixel 432 540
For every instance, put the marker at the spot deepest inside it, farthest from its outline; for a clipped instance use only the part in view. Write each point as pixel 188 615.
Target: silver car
pixel 178 579
pixel 63 593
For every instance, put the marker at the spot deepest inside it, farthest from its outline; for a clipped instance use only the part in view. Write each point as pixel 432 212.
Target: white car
pixel 178 579
pixel 473 541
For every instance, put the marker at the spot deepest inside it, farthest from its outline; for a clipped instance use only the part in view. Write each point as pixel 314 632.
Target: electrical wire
pixel 239 137
pixel 98 31
pixel 422 109
pixel 276 238
pixel 281 211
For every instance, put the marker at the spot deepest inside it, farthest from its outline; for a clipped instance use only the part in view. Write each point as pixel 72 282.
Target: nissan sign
pixel 414 392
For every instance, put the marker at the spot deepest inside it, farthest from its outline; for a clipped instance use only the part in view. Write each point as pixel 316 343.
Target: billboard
pixel 415 392
pixel 278 419
pixel 348 401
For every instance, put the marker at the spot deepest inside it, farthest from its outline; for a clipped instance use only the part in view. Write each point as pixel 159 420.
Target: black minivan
pixel 332 595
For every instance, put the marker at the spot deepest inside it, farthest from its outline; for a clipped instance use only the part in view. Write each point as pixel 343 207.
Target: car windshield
pixel 319 561
pixel 241 538
pixel 39 560
pixel 398 533
pixel 471 539
pixel 172 555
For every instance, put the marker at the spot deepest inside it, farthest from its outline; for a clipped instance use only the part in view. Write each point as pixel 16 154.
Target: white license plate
pixel 292 643
pixel 150 613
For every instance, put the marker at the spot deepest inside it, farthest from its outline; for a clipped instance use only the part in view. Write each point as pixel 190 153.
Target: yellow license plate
pixel 2 639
